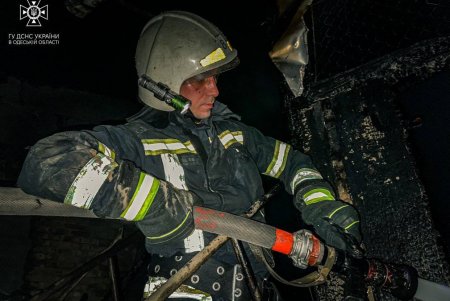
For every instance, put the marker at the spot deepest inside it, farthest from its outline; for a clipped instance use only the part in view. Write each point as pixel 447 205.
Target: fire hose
pixel 307 250
pixel 195 263
pixel 302 246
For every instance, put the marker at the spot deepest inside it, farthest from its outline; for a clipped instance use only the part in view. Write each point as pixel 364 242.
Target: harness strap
pixel 312 279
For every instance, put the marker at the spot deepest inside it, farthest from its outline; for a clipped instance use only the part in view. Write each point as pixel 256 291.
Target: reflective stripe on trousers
pixel 215 280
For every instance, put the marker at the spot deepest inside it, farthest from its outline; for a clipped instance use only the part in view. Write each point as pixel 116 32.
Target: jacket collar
pixel 161 119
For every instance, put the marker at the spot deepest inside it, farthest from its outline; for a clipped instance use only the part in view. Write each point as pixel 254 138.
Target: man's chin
pixel 203 115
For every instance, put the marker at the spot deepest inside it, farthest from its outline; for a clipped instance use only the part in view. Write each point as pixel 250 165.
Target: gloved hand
pixel 334 221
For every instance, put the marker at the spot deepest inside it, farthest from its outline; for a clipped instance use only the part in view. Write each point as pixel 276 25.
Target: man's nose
pixel 211 86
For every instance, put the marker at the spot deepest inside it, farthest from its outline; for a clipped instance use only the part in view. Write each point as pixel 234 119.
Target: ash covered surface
pixel 352 128
pixel 349 33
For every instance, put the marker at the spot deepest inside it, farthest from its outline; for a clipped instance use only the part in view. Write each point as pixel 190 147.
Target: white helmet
pixel 175 46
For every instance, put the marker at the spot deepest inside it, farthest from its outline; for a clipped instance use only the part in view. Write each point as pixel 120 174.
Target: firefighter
pixel 156 167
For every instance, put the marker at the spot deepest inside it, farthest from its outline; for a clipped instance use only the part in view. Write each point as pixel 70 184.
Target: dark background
pixel 89 78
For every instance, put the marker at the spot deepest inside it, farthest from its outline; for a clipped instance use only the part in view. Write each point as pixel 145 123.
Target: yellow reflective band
pixel 351 225
pixel 228 138
pixel 278 163
pixel 238 136
pixel 223 134
pixel 174 230
pixel 317 195
pixel 213 57
pixel 304 174
pixel 142 198
pixel 106 150
pixel 336 210
pixel 154 147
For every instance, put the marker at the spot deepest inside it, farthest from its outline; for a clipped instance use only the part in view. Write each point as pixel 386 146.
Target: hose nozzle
pixel 400 280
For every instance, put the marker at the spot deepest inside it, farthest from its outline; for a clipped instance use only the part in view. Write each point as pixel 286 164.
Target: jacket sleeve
pixel 101 171
pixel 295 169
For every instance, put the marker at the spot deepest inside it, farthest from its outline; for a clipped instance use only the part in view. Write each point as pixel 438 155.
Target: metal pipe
pixel 248 271
pixel 113 271
pixel 63 297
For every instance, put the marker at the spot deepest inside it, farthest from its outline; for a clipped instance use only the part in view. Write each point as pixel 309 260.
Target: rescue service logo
pixel 34 12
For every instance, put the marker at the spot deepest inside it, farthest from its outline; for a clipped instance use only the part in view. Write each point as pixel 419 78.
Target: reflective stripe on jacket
pixel 150 171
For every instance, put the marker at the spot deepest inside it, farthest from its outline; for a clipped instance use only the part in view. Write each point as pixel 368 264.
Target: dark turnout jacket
pixel 154 168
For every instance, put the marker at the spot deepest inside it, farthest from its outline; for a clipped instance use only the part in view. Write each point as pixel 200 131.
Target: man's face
pixel 201 93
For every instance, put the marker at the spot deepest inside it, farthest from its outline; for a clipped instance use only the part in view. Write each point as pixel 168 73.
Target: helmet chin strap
pixel 190 115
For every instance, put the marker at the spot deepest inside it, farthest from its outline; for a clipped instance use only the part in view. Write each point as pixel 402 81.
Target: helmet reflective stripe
pixel 215 56
pixel 175 46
